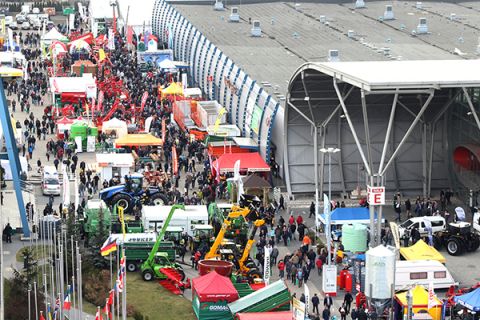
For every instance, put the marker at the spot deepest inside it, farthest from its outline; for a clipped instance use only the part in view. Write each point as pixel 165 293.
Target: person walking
pixel 315 303
pixel 312 210
pixel 327 301
pixel 319 264
pixel 343 312
pixel 347 301
pixel 326 314
pixel 281 269
pixel 7 232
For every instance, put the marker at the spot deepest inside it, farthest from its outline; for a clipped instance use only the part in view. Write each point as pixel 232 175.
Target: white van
pixel 50 181
pixel 438 224
pixel 154 216
pixel 422 272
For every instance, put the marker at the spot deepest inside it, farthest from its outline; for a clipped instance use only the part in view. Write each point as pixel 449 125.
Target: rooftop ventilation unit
pixel 453 16
pixel 323 19
pixel 256 30
pixel 359 4
pixel 218 5
pixel 351 34
pixel 386 51
pixel 388 14
pixel 333 56
pixel 419 5
pixel 234 16
pixel 422 27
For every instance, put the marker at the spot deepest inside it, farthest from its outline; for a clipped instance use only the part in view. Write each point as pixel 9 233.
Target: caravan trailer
pixel 154 216
pixel 422 272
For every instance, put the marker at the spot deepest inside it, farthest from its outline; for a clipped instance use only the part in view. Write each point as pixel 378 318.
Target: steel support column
pixel 300 113
pixel 339 146
pixel 367 129
pixel 322 159
pixel 409 131
pixel 472 108
pixel 425 128
pixel 12 152
pixel 307 97
pixel 315 170
pixel 389 130
pixel 352 128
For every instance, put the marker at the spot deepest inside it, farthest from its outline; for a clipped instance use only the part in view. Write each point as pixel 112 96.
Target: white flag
pixel 431 296
pixel 10 39
pixel 267 270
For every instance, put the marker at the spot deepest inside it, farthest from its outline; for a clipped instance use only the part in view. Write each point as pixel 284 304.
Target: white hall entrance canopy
pixel 385 117
pixel 376 75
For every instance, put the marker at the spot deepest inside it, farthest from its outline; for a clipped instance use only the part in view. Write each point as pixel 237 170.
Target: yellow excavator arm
pixel 235 213
pixel 248 247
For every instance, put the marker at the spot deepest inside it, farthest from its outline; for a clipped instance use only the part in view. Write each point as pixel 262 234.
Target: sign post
pixel 329 279
pixel 375 197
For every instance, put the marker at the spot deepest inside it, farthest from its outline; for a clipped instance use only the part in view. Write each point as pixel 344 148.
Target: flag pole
pixel 124 295
pixel 29 308
pixel 46 292
pixel 73 277
pixel 35 297
pixel 117 293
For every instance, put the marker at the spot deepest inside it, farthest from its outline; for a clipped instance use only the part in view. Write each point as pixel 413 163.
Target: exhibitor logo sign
pixel 214 308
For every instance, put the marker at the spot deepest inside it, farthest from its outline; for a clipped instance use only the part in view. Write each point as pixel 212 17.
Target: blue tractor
pixel 132 194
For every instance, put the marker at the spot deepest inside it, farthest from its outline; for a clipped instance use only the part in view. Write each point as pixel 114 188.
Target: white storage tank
pixel 380 273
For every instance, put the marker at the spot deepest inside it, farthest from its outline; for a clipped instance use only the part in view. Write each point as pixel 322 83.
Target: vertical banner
pixel 130 35
pixel 71 21
pixel 307 298
pixel 267 268
pixel 111 39
pixel 184 81
pixel 3 29
pixel 164 130
pixel 174 160
pixel 298 309
pixel 219 119
pixel 10 39
pixel 144 100
pixel 100 101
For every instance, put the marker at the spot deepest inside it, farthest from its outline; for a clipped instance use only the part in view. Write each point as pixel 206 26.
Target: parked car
pixel 437 222
pixel 36 10
pixel 26 25
pixel 13 26
pixel 20 18
pixel 37 24
pixel 8 20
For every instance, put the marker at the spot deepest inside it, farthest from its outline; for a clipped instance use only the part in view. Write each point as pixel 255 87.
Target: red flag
pixel 164 130
pixel 98 315
pixel 144 101
pixel 41 316
pixel 107 311
pixel 110 297
pixel 100 101
pixel 174 160
pixel 67 304
pixel 130 35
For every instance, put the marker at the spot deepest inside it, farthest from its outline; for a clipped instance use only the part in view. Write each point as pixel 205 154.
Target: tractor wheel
pixel 131 266
pixel 182 273
pixel 147 275
pixel 254 274
pixel 124 201
pixel 158 199
pixel 454 246
pixel 473 243
pixel 437 242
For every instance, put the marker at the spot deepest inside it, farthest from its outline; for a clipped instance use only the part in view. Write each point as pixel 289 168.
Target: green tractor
pixel 158 265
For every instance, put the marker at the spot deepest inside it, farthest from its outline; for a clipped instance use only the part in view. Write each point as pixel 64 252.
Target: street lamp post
pixel 328 234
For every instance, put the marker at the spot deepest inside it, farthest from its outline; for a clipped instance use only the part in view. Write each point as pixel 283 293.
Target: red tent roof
pixel 64 120
pixel 213 287
pixel 281 315
pixel 252 162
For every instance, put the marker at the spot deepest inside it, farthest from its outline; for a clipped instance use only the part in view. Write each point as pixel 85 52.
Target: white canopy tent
pixel 117 125
pixel 53 35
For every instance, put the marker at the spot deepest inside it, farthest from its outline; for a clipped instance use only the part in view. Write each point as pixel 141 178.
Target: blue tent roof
pixel 348 216
pixel 470 300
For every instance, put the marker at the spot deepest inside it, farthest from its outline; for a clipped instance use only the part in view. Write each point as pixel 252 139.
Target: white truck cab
pixel 438 224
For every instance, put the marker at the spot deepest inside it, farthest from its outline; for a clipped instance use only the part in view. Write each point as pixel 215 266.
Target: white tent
pixel 167 64
pixel 52 35
pixel 119 126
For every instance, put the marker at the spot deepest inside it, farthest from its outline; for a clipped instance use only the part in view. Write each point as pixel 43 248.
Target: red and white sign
pixel 329 277
pixel 210 78
pixel 376 195
pixel 144 100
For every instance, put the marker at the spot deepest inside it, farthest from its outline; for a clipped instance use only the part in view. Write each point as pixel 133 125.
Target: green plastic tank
pixel 354 237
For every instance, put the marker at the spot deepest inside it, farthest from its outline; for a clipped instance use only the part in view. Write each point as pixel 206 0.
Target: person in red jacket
pixel 291 220
pixel 299 219
pixel 281 269
pixel 319 264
